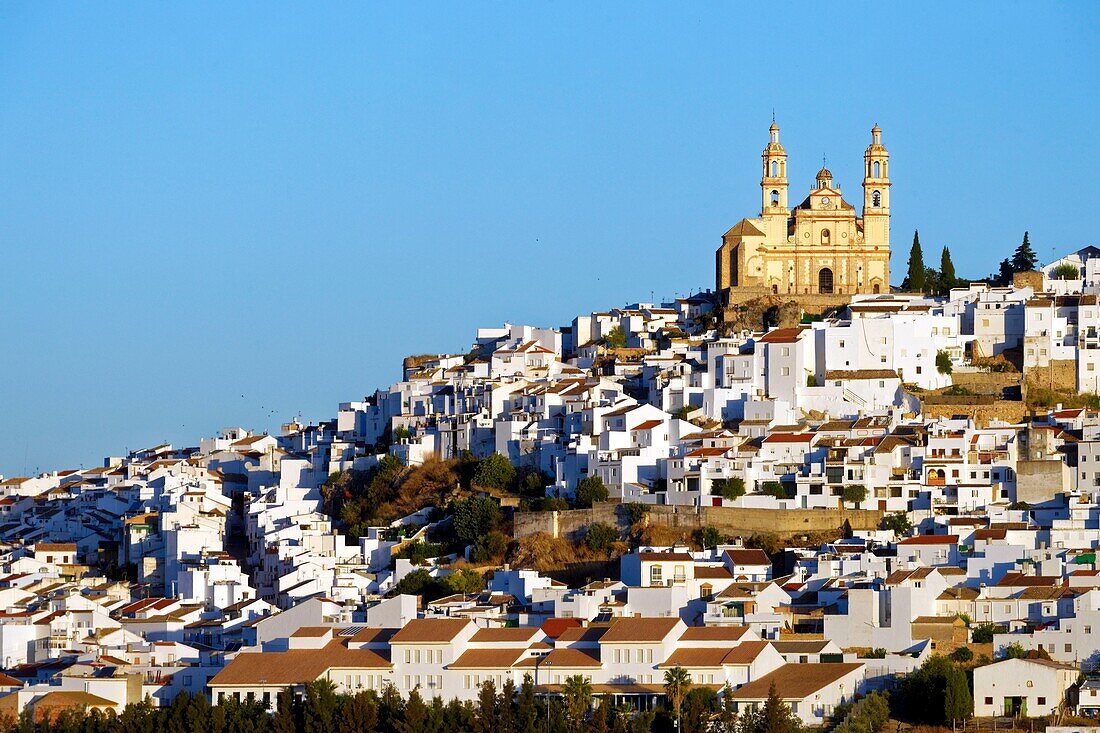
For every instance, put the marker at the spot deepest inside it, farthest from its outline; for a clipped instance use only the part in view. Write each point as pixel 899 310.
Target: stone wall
pixel 1060 375
pixel 1009 411
pixel 729 520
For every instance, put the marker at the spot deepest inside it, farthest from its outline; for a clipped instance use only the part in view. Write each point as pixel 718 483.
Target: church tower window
pixel 775 168
pixel 878 169
pixel 775 197
pixel 825 236
pixel 876 198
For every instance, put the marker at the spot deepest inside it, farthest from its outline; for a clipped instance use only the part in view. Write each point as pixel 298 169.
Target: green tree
pixel 319 707
pixel 1004 274
pixel 983 633
pixel 590 489
pixel 488 711
pixel 936 693
pixel 700 705
pixel 527 712
pixel 947 271
pixel 415 719
pixel 463 581
pixel 1065 271
pixel 359 713
pixel 854 494
pixel 1013 651
pixel 494 472
pixel 962 654
pixel 728 488
pixel 958 703
pixel 773 488
pixel 898 523
pixel 474 517
pixel 577 696
pixel 615 338
pixel 943 362
pixel 1024 259
pixel 774 717
pixel 710 537
pixel 600 536
pixel 677 684
pixel 286 715
pixel 916 266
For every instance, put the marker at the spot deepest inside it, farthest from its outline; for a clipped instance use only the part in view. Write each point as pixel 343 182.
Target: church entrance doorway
pixel 825 281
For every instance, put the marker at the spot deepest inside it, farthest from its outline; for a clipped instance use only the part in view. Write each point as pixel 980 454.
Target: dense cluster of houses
pixel 215 569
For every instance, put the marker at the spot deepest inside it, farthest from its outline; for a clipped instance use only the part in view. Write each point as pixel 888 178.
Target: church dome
pixel 824 175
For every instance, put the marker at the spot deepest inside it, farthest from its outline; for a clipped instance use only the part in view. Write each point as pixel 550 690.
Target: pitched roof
pixel 795 681
pixel 748 557
pixel 714 633
pixel 572 658
pixel 487 658
pixel 781 336
pixel 297 666
pixel 744 228
pixel 640 629
pixel 430 630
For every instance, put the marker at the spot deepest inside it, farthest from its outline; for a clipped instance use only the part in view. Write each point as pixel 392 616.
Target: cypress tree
pixel 916 265
pixel 1024 259
pixel 1004 277
pixel 947 270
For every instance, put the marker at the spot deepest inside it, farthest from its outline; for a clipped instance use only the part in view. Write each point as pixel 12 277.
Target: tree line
pixel 923 279
pixel 320 709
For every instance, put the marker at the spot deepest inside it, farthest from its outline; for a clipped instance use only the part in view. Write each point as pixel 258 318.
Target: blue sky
pixel 216 215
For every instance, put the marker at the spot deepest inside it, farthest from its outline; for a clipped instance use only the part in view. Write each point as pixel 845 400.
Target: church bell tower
pixel 876 191
pixel 773 182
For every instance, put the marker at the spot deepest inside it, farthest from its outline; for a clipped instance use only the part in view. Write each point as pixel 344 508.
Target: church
pixel 819 248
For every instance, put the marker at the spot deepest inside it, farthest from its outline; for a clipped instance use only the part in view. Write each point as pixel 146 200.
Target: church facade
pixel 817 248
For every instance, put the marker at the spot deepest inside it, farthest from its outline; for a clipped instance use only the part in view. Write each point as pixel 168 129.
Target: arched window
pixel 775 168
pixel 876 199
pixel 825 236
pixel 878 169
pixel 775 198
pixel 825 281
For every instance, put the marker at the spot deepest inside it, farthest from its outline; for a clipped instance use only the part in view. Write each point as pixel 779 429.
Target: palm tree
pixel 677 684
pixel 577 695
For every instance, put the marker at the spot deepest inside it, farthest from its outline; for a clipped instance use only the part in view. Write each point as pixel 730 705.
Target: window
pixel 785 372
pixel 1041 700
pixel 876 198
pixel 655 575
pixel 877 173
pixel 989 701
pixel 825 236
pixel 775 198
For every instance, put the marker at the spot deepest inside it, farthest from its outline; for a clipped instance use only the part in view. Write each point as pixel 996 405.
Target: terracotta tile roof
pixel 790 437
pixel 748 557
pixel 705 572
pixel 782 336
pixel 572 658
pixel 795 681
pixel 555 627
pixel 430 631
pixel 714 633
pixel 640 629
pixel 514 634
pixel 1019 580
pixel 796 646
pixel 297 666
pixel 648 425
pixel 487 659
pixel 582 634
pixel 8 681
pixel 55 547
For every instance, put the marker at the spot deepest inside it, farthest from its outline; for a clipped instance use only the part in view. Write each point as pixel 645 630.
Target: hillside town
pixel 804 492
pixel 647 440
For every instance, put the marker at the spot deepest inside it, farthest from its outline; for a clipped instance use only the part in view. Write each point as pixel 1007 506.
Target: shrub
pixel 937 693
pixel 710 537
pixel 774 488
pixel 983 633
pixel 600 536
pixel 876 653
pixel 962 654
pixel 553 504
pixel 494 472
pixel 1065 271
pixel 957 390
pixel 490 547
pixel 1013 651
pixel 615 338
pixel 417 552
pixel 728 488
pixel 475 517
pixel 899 523
pixel 943 362
pixel 769 542
pixel 590 489
pixel 636 511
